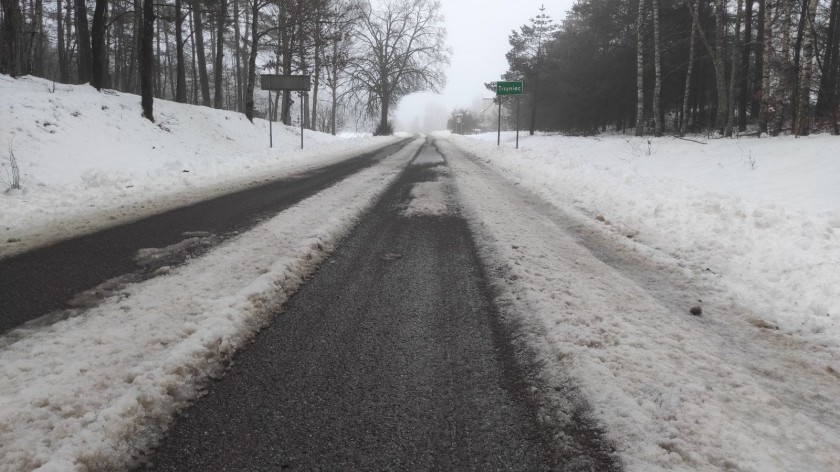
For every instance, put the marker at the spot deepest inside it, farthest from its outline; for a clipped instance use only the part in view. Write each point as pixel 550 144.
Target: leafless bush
pixel 11 170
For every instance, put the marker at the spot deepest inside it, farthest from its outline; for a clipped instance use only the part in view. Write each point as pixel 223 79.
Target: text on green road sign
pixel 508 88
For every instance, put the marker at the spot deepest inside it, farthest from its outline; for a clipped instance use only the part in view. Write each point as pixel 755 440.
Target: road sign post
pixel 502 89
pixel 301 83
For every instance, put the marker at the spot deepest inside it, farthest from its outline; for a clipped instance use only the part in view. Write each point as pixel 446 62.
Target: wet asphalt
pixel 45 280
pixel 392 357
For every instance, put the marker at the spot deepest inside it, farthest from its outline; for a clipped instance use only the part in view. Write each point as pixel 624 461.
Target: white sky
pixel 477 33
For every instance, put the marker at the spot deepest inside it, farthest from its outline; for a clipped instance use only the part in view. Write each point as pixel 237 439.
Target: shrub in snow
pixel 11 171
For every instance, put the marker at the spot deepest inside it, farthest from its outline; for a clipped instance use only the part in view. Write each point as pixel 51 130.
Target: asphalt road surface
pixel 392 357
pixel 45 280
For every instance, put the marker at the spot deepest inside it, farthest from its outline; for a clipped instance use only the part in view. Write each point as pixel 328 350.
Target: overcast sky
pixel 477 32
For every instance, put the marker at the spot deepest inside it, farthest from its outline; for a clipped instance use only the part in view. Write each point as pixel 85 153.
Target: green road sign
pixel 508 88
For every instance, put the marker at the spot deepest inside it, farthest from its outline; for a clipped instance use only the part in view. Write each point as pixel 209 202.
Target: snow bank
pixel 761 215
pixel 89 160
pixel 609 320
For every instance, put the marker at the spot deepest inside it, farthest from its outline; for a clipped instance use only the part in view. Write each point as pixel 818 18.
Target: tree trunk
pixel 733 78
pixel 657 60
pixel 83 40
pixel 691 49
pixel 334 87
pixel 640 70
pixel 383 115
pixel 218 101
pixel 758 70
pixel 11 49
pixel 159 82
pixel 180 65
pixel 252 62
pixel 785 81
pixel 147 60
pixel 747 86
pixel 133 79
pixel 304 70
pixel 827 98
pixel 195 82
pixel 720 67
pixel 199 50
pixel 98 65
pixel 239 53
pixel 317 64
pixel 36 42
pixel 766 105
pixel 69 21
pixel 286 45
pixel 803 126
pixel 63 73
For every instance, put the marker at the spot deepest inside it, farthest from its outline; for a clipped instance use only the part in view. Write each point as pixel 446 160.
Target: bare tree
pixel 640 70
pixel 766 95
pixel 99 69
pixel 402 52
pixel 337 53
pixel 11 48
pixel 83 40
pixel 657 61
pixel 198 40
pixel 180 63
pixel 218 99
pixel 147 60
pixel 691 52
pixel 36 43
pixel 733 77
pixel 803 127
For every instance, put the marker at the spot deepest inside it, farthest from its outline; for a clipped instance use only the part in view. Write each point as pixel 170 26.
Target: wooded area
pixel 210 52
pixel 679 66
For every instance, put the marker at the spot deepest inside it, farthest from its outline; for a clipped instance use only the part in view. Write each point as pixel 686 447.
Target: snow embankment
pixel 89 160
pixel 761 215
pixel 608 320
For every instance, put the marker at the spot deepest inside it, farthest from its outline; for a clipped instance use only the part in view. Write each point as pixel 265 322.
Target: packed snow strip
pixel 672 391
pixel 428 199
pixel 88 160
pixel 762 215
pixel 93 391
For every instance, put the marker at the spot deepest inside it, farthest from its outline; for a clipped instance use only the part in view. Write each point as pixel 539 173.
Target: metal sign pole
pixel 301 120
pixel 499 132
pixel 270 134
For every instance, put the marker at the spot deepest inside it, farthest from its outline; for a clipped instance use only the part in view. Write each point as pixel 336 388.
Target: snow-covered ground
pixel 761 215
pixel 87 160
pixel 606 247
pixel 600 244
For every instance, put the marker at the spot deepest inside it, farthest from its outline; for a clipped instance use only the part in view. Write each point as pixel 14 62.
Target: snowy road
pixel 391 358
pixel 600 330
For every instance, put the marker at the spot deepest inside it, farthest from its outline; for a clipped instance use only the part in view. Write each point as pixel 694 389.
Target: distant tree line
pixel 678 66
pixel 209 52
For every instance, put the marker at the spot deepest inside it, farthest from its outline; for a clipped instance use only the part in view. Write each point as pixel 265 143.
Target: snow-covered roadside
pixel 88 160
pixel 93 391
pixel 671 391
pixel 762 215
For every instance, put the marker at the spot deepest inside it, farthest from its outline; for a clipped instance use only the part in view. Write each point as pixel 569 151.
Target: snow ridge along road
pixel 91 392
pixel 608 318
pixel 46 279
